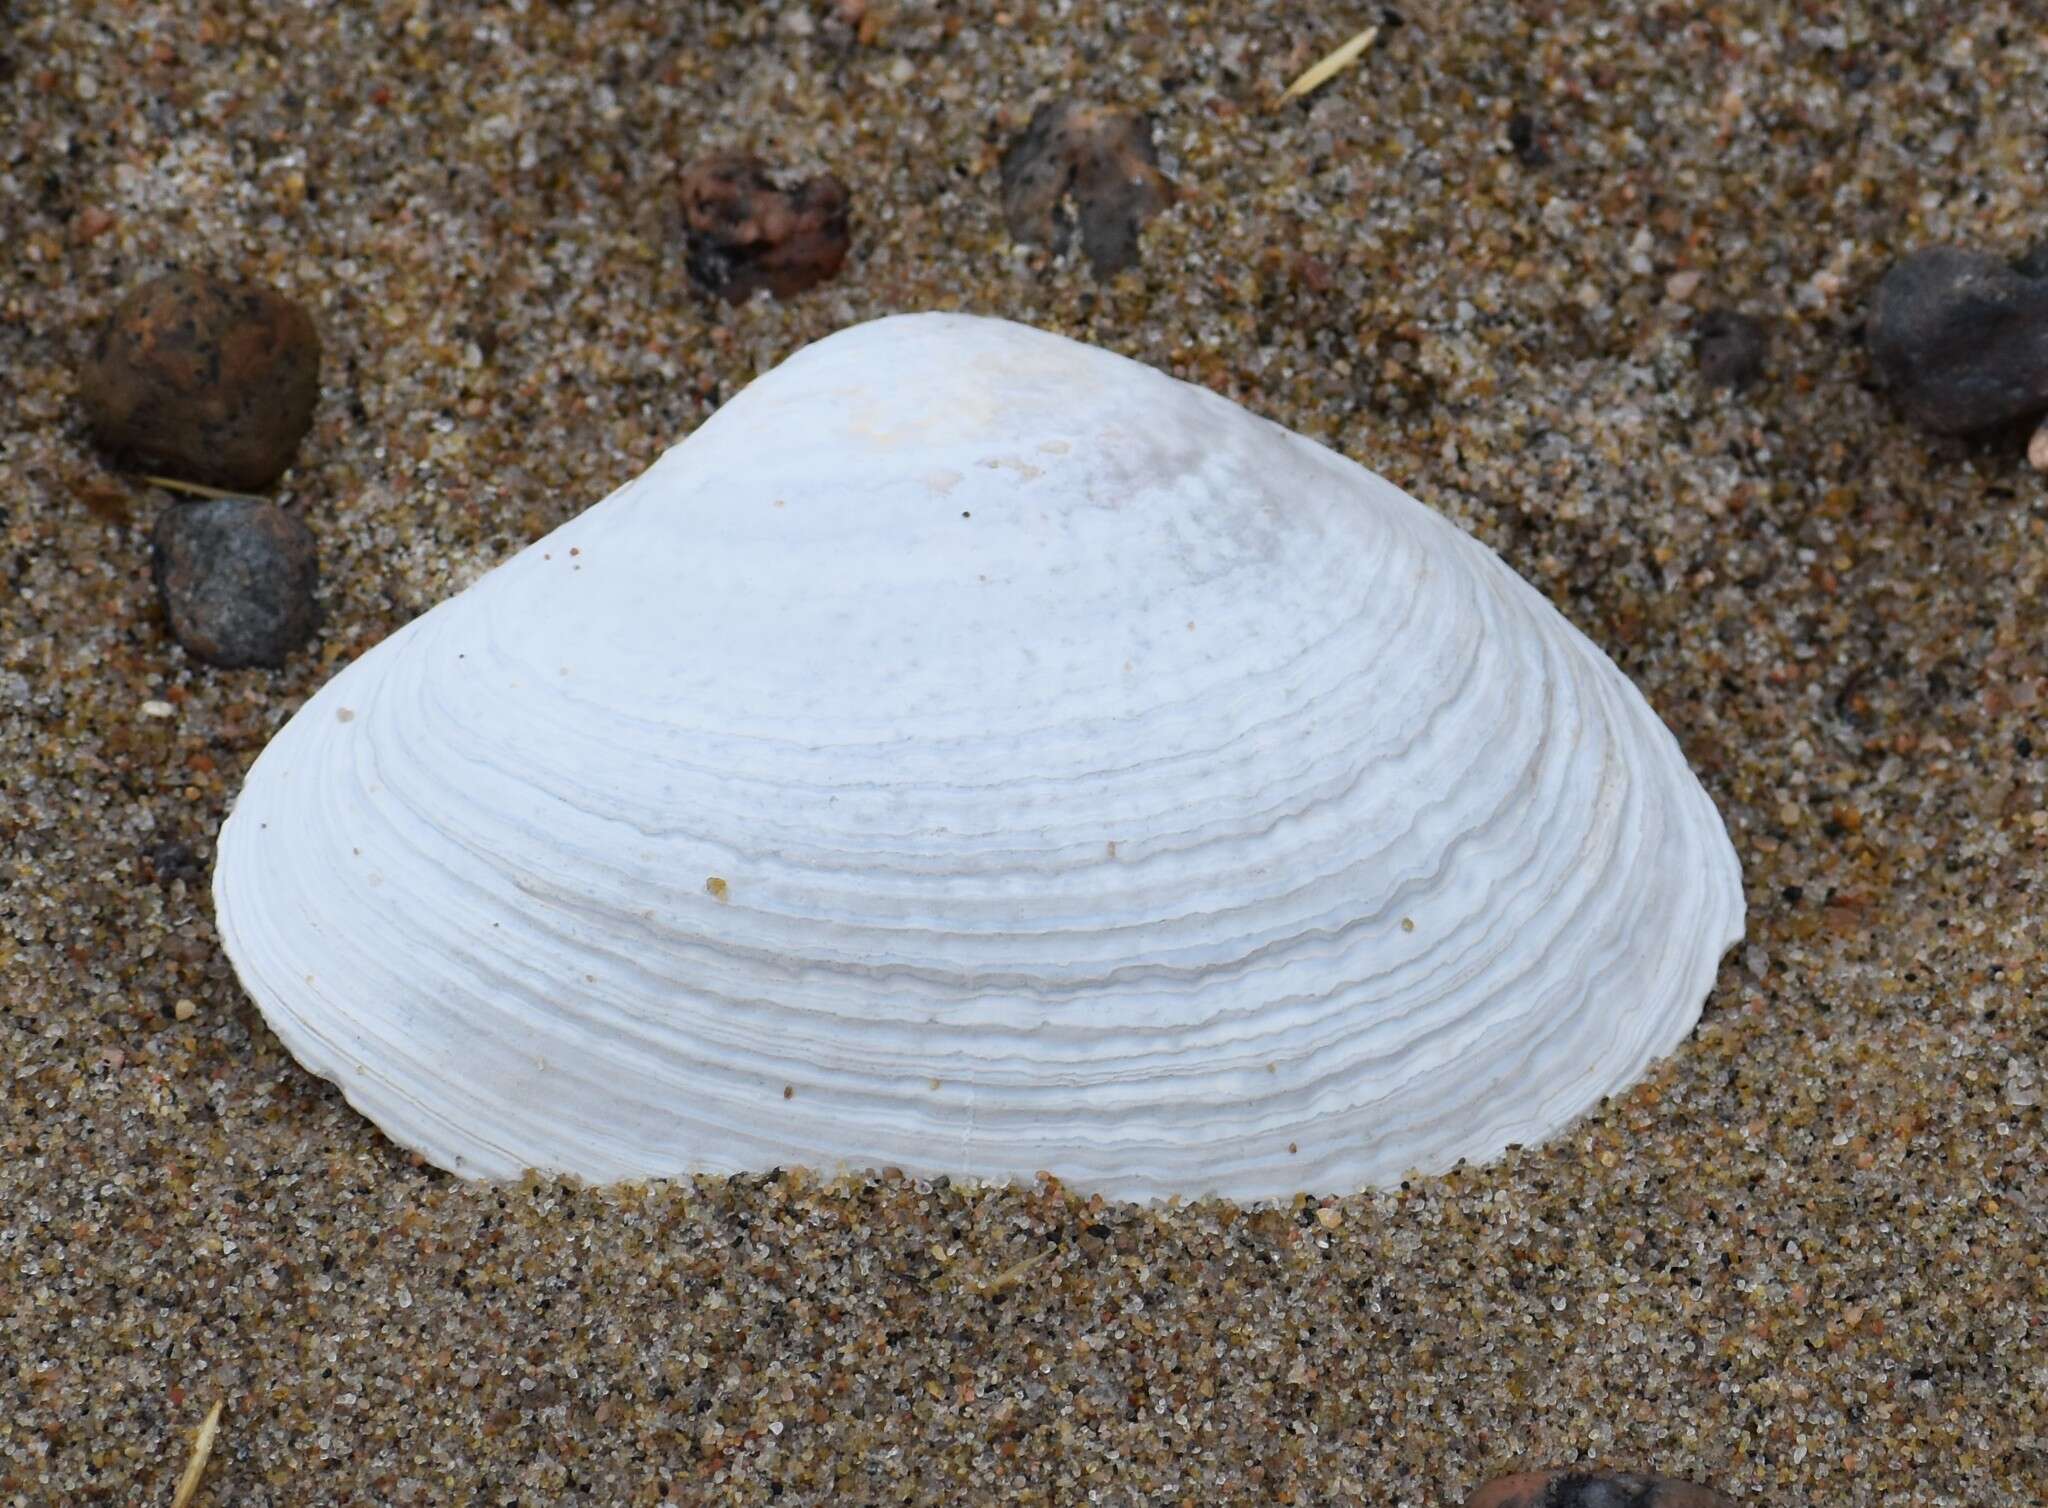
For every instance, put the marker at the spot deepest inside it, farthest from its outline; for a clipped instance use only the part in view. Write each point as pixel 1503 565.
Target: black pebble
pixel 237 578
pixel 1961 338
pixel 174 861
pixel 1522 140
pixel 1729 347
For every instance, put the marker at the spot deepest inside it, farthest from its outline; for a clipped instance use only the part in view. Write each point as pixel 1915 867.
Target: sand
pixel 1803 1261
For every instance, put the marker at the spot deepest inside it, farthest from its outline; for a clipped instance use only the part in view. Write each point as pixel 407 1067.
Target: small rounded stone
pixel 1562 1487
pixel 1729 346
pixel 174 861
pixel 748 233
pixel 204 380
pixel 1090 165
pixel 1961 338
pixel 1525 140
pixel 237 578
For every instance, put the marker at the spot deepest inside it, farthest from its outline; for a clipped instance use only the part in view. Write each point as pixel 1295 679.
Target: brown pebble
pixel 1099 160
pixel 1573 1488
pixel 203 380
pixel 105 500
pixel 92 223
pixel 747 234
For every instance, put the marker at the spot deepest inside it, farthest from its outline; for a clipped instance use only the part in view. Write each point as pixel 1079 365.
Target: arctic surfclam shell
pixel 979 753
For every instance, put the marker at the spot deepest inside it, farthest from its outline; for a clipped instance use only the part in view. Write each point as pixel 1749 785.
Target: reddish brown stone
pixel 1101 162
pixel 204 381
pixel 1578 1488
pixel 747 234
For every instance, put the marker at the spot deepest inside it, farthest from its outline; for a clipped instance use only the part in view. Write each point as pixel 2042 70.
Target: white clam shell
pixel 975 752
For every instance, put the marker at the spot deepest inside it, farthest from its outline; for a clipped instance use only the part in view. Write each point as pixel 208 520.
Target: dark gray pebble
pixel 1576 1488
pixel 174 861
pixel 1729 347
pixel 1961 338
pixel 1089 164
pixel 237 578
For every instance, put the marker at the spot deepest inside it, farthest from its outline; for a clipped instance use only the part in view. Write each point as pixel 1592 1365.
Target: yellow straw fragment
pixel 198 489
pixel 201 1449
pixel 1321 73
pixel 1010 1275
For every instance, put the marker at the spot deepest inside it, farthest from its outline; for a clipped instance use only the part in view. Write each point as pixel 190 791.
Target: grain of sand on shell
pixel 1803 1261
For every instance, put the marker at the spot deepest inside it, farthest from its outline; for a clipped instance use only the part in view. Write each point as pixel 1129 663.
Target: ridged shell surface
pixel 979 753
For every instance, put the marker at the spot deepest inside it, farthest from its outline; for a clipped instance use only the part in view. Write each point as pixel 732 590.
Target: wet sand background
pixel 1803 1261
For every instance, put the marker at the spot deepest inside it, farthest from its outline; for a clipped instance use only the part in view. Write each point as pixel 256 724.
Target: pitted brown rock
pixel 746 233
pixel 203 380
